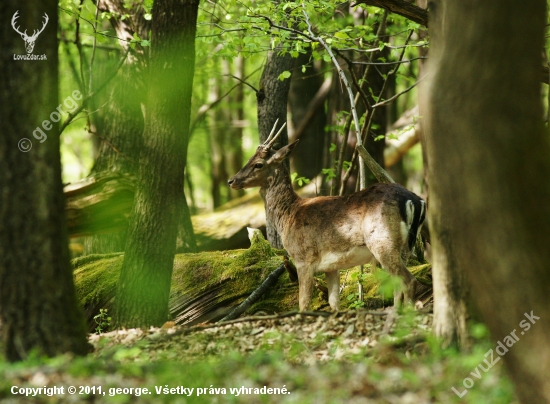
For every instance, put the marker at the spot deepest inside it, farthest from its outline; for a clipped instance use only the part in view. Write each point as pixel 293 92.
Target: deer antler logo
pixel 29 40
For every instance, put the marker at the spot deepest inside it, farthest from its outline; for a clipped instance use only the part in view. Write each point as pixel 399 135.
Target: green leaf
pixel 148 16
pixel 332 147
pixel 329 172
pixel 341 35
pixel 284 75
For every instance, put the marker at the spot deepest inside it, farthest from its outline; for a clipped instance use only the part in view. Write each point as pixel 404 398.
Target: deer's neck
pixel 279 197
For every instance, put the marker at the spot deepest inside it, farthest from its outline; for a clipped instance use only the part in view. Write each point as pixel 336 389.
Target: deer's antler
pixel 271 139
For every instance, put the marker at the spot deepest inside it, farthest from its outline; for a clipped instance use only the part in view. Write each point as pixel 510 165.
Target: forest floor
pixel 345 357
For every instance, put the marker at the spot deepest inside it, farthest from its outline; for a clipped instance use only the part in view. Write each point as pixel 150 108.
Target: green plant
pixel 355 302
pixel 102 320
pixel 300 180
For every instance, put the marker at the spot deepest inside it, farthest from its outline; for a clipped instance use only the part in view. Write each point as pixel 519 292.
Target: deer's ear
pixel 283 152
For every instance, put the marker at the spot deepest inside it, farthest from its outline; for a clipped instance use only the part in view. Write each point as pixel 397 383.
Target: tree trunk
pixel 218 134
pixel 450 291
pixel 272 105
pixel 234 158
pixel 144 285
pixel 485 90
pixel 122 135
pixel 38 305
pixel 308 157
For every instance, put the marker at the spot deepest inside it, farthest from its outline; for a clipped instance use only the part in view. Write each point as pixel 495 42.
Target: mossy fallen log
pixel 206 286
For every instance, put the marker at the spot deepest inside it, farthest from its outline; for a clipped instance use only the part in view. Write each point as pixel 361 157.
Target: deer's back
pixel 339 228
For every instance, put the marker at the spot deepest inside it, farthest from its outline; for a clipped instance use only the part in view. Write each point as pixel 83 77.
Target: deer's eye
pixel 258 165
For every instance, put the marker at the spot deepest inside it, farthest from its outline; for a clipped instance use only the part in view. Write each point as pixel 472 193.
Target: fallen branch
pixel 255 296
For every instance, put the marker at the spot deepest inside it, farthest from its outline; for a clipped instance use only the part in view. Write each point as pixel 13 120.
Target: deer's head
pixel 29 40
pixel 263 163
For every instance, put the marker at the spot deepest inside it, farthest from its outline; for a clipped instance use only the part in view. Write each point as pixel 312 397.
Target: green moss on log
pixel 206 286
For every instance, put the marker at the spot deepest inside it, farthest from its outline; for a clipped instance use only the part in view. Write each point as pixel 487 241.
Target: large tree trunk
pixel 450 291
pixel 122 134
pixel 38 305
pixel 272 105
pixel 144 285
pixel 485 90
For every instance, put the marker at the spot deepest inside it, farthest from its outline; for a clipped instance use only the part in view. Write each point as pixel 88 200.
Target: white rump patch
pixel 409 209
pixel 406 226
pixel 404 232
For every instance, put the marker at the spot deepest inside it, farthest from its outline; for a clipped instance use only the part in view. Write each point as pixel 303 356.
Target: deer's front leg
pixel 333 286
pixel 305 288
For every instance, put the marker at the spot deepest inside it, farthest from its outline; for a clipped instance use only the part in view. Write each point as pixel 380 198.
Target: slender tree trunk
pixel 489 166
pixel 234 158
pixel 144 284
pixel 308 157
pixel 218 129
pixel 38 305
pixel 272 105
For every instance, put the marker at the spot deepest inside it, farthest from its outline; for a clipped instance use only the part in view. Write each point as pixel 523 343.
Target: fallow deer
pixel 326 234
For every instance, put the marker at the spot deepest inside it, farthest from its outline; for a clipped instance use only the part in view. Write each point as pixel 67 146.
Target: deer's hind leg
pixel 305 286
pixel 391 259
pixel 333 286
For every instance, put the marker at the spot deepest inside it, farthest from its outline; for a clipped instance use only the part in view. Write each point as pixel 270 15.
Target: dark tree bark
pixel 38 304
pixel 144 284
pixel 485 91
pixel 272 105
pixel 307 159
pixel 122 134
pixel 401 7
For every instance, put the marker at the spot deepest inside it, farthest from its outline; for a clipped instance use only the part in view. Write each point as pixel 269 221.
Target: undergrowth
pixel 397 369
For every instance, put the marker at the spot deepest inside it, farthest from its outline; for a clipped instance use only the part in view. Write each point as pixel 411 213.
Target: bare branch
pixel 343 78
pixel 391 99
pixel 73 114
